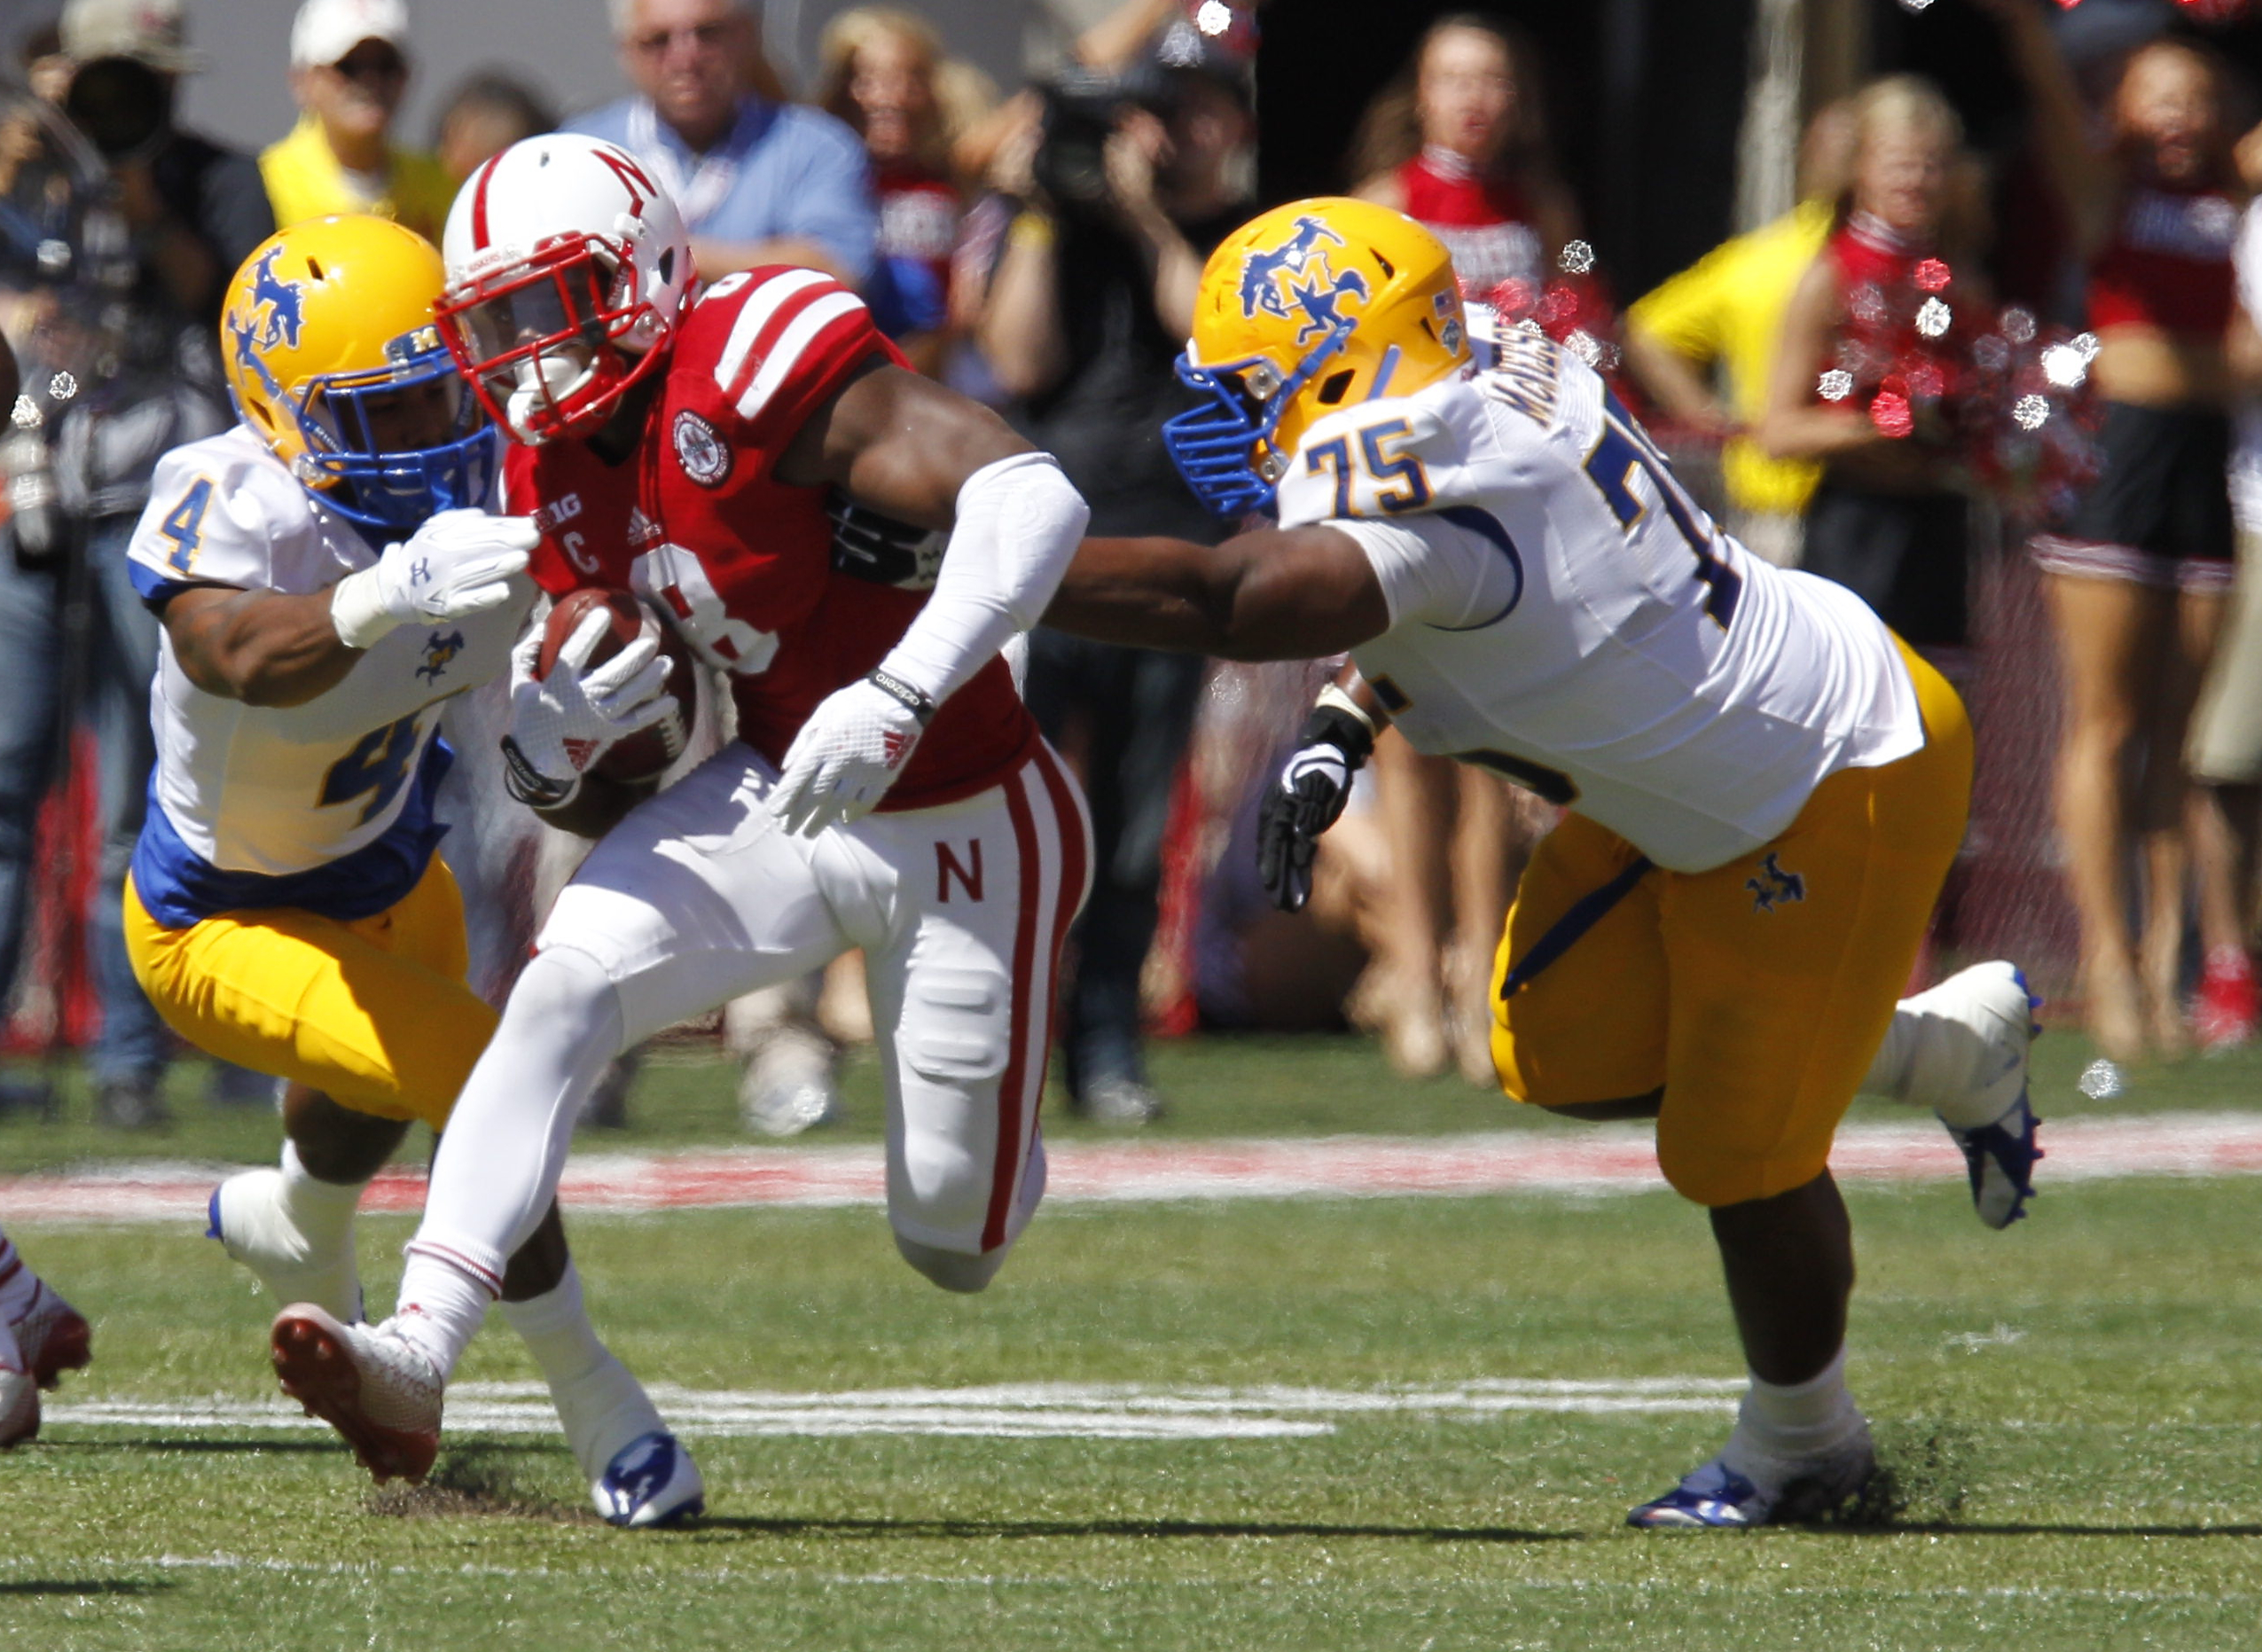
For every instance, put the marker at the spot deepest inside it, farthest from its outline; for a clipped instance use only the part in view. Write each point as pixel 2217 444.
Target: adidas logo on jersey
pixel 642 529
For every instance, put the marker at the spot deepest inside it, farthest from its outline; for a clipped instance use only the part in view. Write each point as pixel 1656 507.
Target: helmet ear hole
pixel 1335 387
pixel 668 265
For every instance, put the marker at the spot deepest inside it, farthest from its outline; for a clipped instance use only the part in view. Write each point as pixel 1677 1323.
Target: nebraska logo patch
pixel 702 453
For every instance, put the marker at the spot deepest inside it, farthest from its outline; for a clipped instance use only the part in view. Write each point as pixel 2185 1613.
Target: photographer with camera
pixel 1124 185
pixel 119 365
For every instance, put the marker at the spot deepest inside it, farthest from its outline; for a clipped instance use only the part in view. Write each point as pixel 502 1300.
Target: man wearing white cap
pixel 349 69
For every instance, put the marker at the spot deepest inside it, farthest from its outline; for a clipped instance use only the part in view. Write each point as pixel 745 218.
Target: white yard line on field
pixel 1756 1588
pixel 1014 1411
pixel 1610 1160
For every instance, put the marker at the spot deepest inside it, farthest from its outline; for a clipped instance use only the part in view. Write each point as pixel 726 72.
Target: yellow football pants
pixel 376 1013
pixel 1755 994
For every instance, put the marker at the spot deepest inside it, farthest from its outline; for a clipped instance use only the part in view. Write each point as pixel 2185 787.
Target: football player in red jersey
pixel 887 790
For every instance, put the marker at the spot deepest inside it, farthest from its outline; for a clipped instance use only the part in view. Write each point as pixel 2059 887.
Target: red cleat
pixel 378 1392
pixel 2230 1001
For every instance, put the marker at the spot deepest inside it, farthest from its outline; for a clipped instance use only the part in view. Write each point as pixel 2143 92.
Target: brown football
pixel 644 755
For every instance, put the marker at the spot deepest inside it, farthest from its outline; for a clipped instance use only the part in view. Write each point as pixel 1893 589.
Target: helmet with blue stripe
pixel 1305 309
pixel 332 359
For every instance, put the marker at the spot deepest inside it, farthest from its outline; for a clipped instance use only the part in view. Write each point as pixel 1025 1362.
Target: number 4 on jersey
pixel 1624 448
pixel 183 525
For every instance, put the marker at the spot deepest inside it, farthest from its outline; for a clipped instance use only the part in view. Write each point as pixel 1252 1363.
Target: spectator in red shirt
pixel 1459 143
pixel 883 72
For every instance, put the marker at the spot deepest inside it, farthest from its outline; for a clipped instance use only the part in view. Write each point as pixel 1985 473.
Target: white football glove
pixel 849 752
pixel 457 564
pixel 562 723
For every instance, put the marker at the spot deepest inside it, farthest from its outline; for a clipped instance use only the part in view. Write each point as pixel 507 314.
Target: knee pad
pixel 565 991
pixel 953 1270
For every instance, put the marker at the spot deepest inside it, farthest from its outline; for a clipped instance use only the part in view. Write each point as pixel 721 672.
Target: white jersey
pixel 1562 611
pixel 246 794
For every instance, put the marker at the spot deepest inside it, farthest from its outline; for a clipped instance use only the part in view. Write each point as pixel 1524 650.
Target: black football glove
pixel 1314 785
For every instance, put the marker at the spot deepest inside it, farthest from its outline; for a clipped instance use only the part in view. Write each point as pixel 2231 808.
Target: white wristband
pixel 357 610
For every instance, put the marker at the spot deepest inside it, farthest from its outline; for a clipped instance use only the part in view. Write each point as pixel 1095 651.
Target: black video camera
pixel 1082 110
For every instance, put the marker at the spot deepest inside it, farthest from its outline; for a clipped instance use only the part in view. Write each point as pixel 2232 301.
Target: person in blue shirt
pixel 759 182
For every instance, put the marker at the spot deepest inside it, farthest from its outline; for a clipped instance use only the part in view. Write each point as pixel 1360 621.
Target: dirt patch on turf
pixel 473 1480
pixel 1924 1474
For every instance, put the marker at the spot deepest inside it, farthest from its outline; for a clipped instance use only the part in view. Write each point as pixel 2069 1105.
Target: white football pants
pixel 700 895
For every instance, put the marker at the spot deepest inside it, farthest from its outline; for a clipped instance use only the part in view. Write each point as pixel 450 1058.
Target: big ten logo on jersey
pixel 672 575
pixel 550 520
pixel 958 863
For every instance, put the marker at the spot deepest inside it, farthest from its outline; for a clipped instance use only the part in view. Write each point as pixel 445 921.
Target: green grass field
pixel 2071 1413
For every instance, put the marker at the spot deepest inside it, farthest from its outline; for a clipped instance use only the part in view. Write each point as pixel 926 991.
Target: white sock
pixel 601 1404
pixel 440 1307
pixel 556 1330
pixel 497 1169
pixel 323 1211
pixel 18 1285
pixel 1779 1424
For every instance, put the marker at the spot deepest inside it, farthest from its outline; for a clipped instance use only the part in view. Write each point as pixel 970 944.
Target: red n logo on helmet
pixel 639 187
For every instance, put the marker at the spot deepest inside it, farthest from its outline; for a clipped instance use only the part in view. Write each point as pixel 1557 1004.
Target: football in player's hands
pixel 644 755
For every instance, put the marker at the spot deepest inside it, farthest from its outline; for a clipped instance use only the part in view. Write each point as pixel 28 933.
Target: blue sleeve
pixel 154 589
pixel 609 121
pixel 831 201
pixel 904 297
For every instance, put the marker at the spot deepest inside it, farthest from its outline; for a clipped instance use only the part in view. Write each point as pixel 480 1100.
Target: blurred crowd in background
pixel 1954 381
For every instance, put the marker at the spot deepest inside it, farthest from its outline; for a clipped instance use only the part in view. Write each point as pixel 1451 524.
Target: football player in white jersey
pixel 1764 788
pixel 327 581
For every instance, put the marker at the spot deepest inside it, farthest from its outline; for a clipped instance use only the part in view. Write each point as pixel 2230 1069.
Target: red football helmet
pixel 568 267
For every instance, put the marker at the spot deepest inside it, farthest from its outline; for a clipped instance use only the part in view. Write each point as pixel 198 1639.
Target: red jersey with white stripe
pixel 1484 220
pixel 695 518
pixel 2168 264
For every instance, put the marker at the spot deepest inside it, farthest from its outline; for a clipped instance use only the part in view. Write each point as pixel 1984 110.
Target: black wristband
pixel 1339 728
pixel 903 693
pixel 528 784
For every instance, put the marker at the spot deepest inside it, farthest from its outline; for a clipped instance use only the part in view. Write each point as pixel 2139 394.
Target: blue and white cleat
pixel 1969 1065
pixel 2000 1159
pixel 651 1481
pixel 248 1215
pixel 1718 1496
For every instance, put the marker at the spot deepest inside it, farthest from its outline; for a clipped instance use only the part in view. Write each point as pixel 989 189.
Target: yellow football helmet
pixel 1308 307
pixel 332 359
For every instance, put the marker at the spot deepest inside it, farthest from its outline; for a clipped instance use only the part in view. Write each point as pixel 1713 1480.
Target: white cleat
pixel 1969 1066
pixel 248 1218
pixel 379 1392
pixel 788 1083
pixel 35 1351
pixel 651 1482
pixel 1764 1494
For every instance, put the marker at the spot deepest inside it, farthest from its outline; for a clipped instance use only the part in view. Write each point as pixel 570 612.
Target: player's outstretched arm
pixel 277 648
pixel 1295 593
